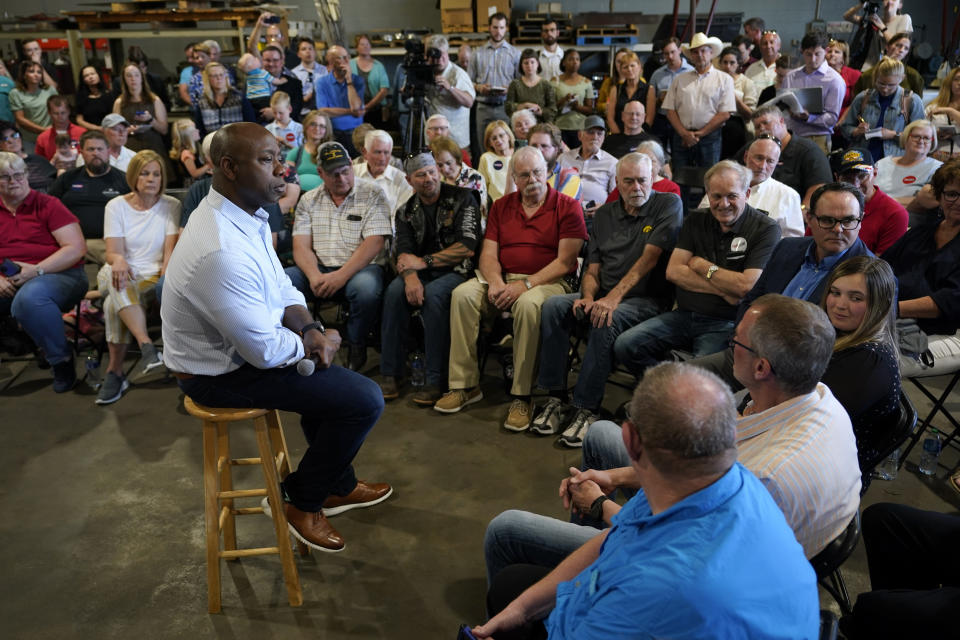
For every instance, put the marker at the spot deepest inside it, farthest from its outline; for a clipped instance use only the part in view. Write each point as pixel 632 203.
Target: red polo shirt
pixel 527 245
pixel 27 234
pixel 46 146
pixel 884 221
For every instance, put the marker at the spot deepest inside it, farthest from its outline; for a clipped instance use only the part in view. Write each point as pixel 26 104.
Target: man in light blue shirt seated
pixel 702 551
pixel 234 327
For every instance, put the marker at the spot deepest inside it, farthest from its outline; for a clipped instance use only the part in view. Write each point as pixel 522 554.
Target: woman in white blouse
pixel 903 177
pixel 140 229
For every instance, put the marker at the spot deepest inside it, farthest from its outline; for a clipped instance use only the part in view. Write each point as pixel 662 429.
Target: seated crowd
pixel 785 279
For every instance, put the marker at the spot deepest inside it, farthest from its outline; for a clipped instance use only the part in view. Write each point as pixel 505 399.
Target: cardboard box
pixel 456 4
pixel 457 20
pixel 552 8
pixel 486 8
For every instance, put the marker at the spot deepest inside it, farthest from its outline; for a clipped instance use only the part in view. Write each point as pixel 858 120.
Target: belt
pixel 182 376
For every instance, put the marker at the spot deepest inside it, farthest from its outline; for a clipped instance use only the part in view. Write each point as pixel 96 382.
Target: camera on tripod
pixel 416 62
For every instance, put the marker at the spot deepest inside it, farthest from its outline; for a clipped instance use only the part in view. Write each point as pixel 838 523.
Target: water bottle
pixel 93 371
pixel 418 376
pixel 887 470
pixel 930 455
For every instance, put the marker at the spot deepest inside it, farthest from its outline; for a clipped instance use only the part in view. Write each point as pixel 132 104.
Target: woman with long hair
pixel 219 103
pixel 376 83
pixel 28 102
pixel 94 99
pixel 611 81
pixel 530 91
pixel 864 371
pixel 944 111
pixel 186 151
pixel 633 87
pixel 143 110
pixel 317 129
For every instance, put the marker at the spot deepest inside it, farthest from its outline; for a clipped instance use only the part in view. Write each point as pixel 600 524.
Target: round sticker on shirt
pixel 498 164
pixel 909 179
pixel 290 136
pixel 738 245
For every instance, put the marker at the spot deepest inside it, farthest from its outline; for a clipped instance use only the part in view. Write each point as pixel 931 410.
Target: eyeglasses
pixel 847 224
pixel 733 343
pixel 950 196
pixel 919 138
pixel 13 136
pixel 12 177
pixel 769 136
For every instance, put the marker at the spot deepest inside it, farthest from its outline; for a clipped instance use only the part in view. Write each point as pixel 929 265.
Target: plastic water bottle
pixel 887 470
pixel 93 371
pixel 930 455
pixel 418 375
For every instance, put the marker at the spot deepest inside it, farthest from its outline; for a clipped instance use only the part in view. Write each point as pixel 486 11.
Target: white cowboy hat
pixel 700 39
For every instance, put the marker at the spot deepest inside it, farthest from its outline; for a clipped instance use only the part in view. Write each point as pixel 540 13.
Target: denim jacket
pixel 866 105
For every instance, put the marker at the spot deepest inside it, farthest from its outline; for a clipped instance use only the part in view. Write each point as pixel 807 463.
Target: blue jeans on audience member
pixel 395 327
pixel 337 408
pixel 705 153
pixel 362 292
pixel 650 342
pixel 39 306
pixel 158 289
pixel 557 321
pixel 520 537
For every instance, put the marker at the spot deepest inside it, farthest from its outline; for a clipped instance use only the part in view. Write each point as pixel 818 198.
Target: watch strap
pixel 596 509
pixel 313 325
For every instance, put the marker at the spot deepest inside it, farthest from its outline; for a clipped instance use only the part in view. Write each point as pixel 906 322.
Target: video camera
pixel 420 72
pixel 871 9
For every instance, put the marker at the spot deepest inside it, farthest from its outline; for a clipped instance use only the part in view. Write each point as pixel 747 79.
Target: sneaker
pixel 112 388
pixel 456 399
pixel 427 396
pixel 64 376
pixel 149 359
pixel 576 431
pixel 549 420
pixel 518 416
pixel 389 387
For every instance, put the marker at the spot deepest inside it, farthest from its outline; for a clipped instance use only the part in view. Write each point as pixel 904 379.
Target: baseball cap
pixel 593 122
pixel 855 159
pixel 332 156
pixel 113 119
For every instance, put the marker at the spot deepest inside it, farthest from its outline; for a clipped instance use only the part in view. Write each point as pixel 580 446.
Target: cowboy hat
pixel 700 39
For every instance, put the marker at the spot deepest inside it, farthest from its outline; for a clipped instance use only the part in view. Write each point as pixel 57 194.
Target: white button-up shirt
pixel 598 173
pixel 550 63
pixel 225 294
pixel 697 98
pixel 762 75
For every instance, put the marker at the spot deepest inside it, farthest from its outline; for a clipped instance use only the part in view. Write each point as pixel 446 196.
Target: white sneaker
pixel 549 420
pixel 576 431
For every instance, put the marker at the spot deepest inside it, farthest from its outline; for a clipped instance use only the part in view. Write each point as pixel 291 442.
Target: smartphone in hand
pixel 9 268
pixel 465 633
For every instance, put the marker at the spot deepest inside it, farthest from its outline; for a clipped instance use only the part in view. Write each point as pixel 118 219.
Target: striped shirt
pixel 495 66
pixel 598 173
pixel 338 231
pixel 804 452
pixel 225 293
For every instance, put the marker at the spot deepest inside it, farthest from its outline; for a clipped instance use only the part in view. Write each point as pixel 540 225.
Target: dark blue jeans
pixel 705 153
pixel 650 342
pixel 362 292
pixel 437 289
pixel 556 323
pixel 39 304
pixel 337 408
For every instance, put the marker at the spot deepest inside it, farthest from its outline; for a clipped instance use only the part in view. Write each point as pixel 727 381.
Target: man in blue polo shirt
pixel 340 96
pixel 701 551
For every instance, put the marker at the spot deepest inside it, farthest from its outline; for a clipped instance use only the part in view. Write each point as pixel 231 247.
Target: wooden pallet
pixel 182 5
pixel 607 41
pixel 543 17
pixel 611 30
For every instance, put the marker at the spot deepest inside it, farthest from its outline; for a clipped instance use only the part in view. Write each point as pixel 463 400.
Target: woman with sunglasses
pixel 926 261
pixel 863 372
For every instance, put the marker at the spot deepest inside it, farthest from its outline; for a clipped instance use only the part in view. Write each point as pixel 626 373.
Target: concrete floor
pixel 102 524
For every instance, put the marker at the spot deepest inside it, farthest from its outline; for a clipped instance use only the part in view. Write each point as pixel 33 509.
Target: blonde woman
pixel 498 141
pixel 220 104
pixel 139 229
pixel 186 150
pixel 944 112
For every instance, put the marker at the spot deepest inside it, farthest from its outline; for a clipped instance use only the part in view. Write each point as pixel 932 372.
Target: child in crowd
pixel 66 155
pixel 287 132
pixel 498 140
pixel 258 81
pixel 187 151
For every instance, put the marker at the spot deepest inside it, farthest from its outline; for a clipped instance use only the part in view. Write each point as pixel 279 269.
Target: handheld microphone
pixel 306 367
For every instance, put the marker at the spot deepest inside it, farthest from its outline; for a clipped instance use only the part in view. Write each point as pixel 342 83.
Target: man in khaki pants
pixel 533 238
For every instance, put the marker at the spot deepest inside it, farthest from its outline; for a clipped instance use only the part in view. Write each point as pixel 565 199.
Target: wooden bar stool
pixel 219 494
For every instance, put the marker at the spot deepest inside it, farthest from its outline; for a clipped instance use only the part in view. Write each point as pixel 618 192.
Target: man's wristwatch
pixel 313 325
pixel 428 260
pixel 527 284
pixel 596 509
pixel 712 270
pixel 40 271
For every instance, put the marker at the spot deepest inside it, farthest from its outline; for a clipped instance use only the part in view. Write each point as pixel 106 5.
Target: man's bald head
pixel 248 165
pixel 233 140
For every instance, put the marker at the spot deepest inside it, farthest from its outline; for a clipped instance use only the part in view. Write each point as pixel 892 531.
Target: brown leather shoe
pixel 313 529
pixel 365 494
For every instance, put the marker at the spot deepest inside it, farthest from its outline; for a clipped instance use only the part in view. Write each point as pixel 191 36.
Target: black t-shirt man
pixel 86 196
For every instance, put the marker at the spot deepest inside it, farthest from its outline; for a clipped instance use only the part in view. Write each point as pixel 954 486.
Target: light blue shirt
pixel 331 92
pixel 225 293
pixel 811 274
pixel 721 563
pixel 662 78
